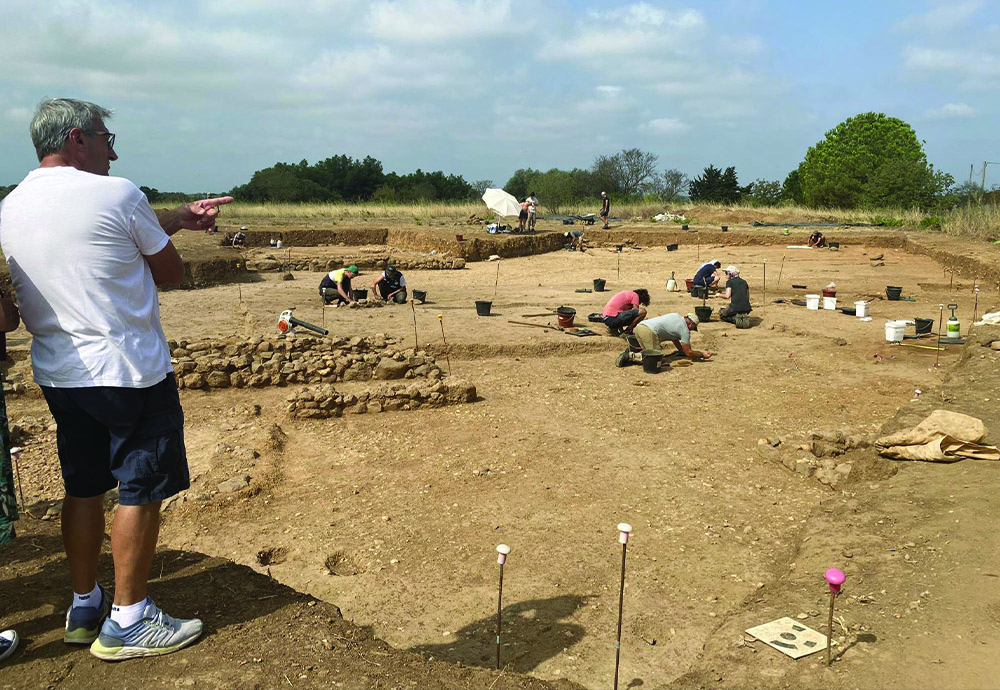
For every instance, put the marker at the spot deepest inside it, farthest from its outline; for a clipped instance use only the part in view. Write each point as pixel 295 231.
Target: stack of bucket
pixel 829 298
pixel 894 330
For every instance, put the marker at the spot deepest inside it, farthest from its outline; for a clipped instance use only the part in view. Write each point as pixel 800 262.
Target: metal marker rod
pixel 446 356
pixel 835 578
pixel 937 357
pixel 414 310
pixel 502 552
pixel 15 455
pixel 780 269
pixel 497 284
pixel 624 529
pixel 765 282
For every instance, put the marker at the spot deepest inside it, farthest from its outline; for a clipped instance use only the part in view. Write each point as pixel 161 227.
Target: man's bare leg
pixel 83 534
pixel 133 544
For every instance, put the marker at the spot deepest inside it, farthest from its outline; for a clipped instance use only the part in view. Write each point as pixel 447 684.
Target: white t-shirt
pixel 75 244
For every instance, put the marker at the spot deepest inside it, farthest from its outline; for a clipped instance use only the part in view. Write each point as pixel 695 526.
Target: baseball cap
pixel 353 269
pixel 732 269
pixel 694 321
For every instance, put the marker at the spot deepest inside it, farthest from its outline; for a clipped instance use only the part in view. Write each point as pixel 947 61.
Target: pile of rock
pixel 269 262
pixel 296 359
pixel 324 401
pixel 367 304
pixel 820 456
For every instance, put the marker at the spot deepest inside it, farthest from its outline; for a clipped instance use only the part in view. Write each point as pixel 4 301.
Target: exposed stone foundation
pixel 324 401
pixel 259 362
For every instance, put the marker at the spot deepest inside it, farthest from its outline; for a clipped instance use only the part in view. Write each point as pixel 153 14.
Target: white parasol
pixel 500 201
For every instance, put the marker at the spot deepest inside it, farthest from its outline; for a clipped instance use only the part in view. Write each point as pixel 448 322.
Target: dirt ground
pixel 393 518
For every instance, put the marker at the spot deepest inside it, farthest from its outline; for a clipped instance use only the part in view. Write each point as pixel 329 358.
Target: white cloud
pixel 433 21
pixel 945 16
pixel 951 111
pixel 665 125
pixel 967 65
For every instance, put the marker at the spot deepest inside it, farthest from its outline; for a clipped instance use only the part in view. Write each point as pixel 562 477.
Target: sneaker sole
pixel 125 652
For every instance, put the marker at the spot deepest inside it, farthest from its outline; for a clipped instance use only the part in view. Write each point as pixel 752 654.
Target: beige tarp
pixel 943 437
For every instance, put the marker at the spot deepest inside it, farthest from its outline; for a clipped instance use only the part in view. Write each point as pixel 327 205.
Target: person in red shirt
pixel 625 310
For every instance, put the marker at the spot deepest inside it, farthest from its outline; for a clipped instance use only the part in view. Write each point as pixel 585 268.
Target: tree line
pixel 868 161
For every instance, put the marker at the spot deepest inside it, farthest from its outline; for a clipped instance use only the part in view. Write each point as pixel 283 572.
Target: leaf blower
pixel 287 322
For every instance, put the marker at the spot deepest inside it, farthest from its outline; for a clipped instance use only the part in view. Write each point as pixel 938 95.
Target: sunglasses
pixel 109 135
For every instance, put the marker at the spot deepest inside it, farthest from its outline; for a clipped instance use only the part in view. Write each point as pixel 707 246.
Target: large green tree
pixel 870 161
pixel 721 187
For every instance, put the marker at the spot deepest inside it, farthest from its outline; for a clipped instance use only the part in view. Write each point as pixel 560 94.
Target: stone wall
pixel 296 359
pixel 324 401
pixel 271 262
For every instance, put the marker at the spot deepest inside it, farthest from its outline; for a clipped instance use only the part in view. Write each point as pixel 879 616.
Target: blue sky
pixel 207 92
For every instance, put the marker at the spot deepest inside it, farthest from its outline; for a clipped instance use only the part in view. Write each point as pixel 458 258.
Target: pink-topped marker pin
pixel 502 552
pixel 835 579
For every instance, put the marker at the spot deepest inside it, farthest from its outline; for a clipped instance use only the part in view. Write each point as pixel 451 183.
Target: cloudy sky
pixel 206 92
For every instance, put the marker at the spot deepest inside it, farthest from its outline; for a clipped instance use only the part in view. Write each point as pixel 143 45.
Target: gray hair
pixel 55 117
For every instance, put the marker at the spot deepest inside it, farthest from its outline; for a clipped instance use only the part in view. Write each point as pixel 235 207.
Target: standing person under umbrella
pixel 532 211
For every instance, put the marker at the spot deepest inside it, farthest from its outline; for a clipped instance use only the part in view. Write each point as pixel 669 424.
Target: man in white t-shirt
pixel 86 252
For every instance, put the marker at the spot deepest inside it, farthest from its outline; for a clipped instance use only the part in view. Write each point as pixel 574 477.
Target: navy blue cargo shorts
pixel 132 438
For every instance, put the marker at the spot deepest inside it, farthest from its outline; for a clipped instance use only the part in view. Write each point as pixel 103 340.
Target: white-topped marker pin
pixel 835 578
pixel 624 530
pixel 502 552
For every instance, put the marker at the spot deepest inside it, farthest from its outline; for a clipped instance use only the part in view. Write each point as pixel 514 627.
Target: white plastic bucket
pixel 278 244
pixel 861 309
pixel 894 331
pixel 829 302
pixel 812 301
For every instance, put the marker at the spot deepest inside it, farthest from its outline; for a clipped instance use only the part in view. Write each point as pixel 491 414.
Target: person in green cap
pixel 336 286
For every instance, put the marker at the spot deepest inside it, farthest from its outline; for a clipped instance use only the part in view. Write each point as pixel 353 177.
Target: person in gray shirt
pixel 670 327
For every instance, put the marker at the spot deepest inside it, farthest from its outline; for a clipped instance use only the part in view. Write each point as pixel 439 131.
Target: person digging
pixel 738 293
pixel 649 334
pixel 335 288
pixel 390 285
pixel 625 310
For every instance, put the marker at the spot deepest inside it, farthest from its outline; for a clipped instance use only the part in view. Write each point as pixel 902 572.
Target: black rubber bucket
pixel 924 326
pixel 483 307
pixel 360 294
pixel 893 293
pixel 420 295
pixel 699 291
pixel 651 363
pixel 671 247
pixel 725 228
pixel 684 227
pixel 703 313
pixel 599 284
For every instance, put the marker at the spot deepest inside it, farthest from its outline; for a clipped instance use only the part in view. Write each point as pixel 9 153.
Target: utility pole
pixel 982 186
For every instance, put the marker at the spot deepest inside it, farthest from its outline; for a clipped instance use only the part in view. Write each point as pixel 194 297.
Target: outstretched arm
pixel 691 353
pixel 198 215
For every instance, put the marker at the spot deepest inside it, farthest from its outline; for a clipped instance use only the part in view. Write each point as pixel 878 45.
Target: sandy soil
pixel 394 517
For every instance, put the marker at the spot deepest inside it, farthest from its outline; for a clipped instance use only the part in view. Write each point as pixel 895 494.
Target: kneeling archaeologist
pixel 390 285
pixel 670 327
pixel 738 293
